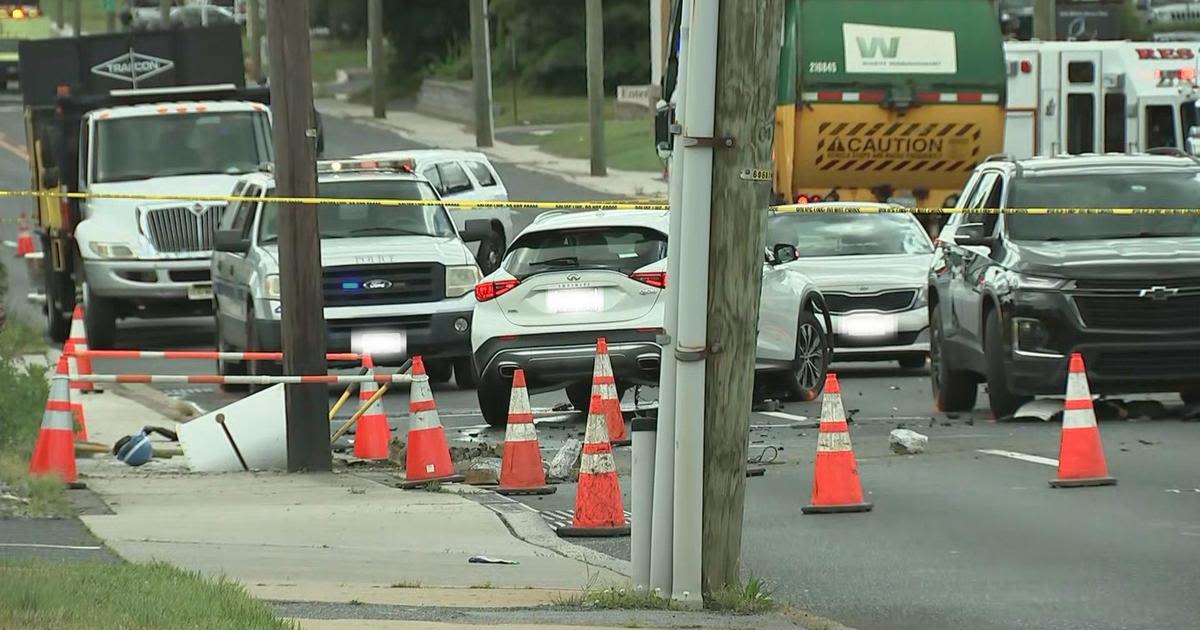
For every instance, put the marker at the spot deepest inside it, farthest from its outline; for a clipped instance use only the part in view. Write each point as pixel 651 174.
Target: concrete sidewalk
pixel 443 134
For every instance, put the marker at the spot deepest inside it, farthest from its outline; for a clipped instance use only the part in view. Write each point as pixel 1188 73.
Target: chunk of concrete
pixel 565 464
pixel 906 442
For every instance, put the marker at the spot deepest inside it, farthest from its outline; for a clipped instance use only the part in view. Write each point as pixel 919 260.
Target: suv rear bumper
pixel 1117 360
pixel 554 361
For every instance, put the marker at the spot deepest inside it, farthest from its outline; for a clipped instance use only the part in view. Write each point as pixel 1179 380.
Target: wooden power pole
pixel 299 235
pixel 254 29
pixel 748 37
pixel 1044 16
pixel 375 26
pixel 595 84
pixel 481 72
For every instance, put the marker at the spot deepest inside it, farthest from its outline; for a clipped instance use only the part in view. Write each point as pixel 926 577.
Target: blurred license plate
pixel 389 343
pixel 200 292
pixel 867 326
pixel 575 301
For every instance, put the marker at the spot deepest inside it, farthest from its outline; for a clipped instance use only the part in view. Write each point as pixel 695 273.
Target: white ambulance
pixel 1100 97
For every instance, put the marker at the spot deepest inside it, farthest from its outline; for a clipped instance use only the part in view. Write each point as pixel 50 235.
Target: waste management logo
pixel 132 67
pixel 894 50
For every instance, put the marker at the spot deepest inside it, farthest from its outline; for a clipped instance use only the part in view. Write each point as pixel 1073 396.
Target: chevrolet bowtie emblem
pixel 1158 293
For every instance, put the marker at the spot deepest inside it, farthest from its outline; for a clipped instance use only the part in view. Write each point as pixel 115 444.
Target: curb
pixel 527 524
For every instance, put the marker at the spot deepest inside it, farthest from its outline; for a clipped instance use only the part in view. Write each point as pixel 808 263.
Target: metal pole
pixel 375 25
pixel 662 529
pixel 60 16
pixel 512 50
pixel 1044 14
pixel 77 18
pixel 642 499
pixel 692 341
pixel 164 12
pixel 481 72
pixel 299 235
pixel 595 84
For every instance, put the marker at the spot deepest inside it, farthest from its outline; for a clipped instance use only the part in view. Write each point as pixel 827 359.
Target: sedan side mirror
pixel 784 253
pixel 476 230
pixel 231 241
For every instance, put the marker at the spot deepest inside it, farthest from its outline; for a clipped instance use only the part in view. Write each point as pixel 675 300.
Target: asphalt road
pixel 958 538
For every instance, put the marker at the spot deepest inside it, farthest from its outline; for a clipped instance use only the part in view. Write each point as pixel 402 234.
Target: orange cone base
pixel 517 492
pixel 837 509
pixel 1083 483
pixel 836 483
pixel 604 515
pixel 372 437
pixel 428 459
pixel 54 454
pixel 521 470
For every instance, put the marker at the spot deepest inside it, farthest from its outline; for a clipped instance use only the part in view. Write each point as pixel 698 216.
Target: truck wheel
pixel 580 395
pixel 806 379
pixel 493 404
pixel 953 389
pixel 227 368
pixel 1003 401
pixel 491 252
pixel 464 373
pixel 58 315
pixel 99 319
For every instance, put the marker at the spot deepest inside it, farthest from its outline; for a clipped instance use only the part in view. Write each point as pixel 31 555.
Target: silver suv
pixel 397 281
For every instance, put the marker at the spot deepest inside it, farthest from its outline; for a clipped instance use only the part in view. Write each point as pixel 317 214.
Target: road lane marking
pixel 1033 459
pixel 42 546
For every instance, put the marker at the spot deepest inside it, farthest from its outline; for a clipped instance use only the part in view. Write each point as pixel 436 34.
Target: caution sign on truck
pixel 901 144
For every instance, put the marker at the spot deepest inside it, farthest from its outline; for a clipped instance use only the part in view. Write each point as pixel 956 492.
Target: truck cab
pixel 150 258
pixel 398 280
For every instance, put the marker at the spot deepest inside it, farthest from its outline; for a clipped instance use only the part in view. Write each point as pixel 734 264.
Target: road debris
pixel 487 560
pixel 906 442
pixel 565 464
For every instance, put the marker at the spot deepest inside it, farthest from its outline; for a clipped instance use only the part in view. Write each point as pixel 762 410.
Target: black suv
pixel 1011 296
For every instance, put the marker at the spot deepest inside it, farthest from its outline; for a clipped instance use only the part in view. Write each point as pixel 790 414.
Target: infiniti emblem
pixel 376 284
pixel 1158 293
pixel 573 277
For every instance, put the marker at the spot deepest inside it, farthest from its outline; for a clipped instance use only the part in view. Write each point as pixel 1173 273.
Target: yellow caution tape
pixel 648 204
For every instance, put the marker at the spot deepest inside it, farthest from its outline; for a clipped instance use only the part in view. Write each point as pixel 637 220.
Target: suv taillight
pixel 485 291
pixel 656 279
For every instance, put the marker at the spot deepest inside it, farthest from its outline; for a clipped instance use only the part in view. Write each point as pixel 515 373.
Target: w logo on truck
pixel 876 46
pixel 132 67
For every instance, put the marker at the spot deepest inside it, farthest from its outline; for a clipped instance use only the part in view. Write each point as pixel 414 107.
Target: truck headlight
pixel 271 287
pixel 461 280
pixel 111 250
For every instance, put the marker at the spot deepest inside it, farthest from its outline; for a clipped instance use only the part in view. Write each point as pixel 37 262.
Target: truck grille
pixel 1140 313
pixel 886 302
pixel 183 229
pixel 365 285
pixel 1173 364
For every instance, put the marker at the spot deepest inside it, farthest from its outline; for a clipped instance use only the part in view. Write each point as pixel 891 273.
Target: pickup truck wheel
pixel 464 373
pixel 226 368
pixel 1002 400
pixel 58 316
pixel 439 371
pixel 491 252
pixel 953 389
pixel 493 404
pixel 99 320
pixel 807 377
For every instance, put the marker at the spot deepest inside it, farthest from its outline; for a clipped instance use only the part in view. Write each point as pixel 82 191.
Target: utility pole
pixel 1044 16
pixel 77 19
pixel 595 84
pixel 110 16
pixel 60 16
pixel 375 26
pixel 749 36
pixel 481 72
pixel 254 27
pixel 164 12
pixel 299 235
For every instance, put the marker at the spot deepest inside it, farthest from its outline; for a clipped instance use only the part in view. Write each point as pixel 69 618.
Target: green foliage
pixel 23 393
pixel 78 596
pixel 753 597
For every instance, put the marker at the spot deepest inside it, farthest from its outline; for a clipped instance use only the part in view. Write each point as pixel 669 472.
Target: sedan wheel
pixel 807 377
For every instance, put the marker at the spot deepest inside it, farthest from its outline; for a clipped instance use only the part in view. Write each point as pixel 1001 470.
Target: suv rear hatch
pixel 584 276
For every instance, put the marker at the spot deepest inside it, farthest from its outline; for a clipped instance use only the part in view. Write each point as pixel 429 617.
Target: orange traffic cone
pixel 77 342
pixel 24 238
pixel 521 469
pixel 599 510
pixel 1080 454
pixel 54 453
pixel 605 385
pixel 836 486
pixel 372 435
pixel 81 434
pixel 428 457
